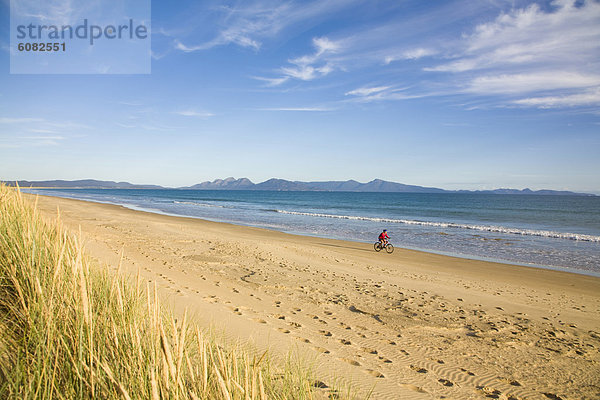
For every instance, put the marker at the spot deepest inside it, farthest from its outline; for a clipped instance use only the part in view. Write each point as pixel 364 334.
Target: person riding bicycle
pixel 383 237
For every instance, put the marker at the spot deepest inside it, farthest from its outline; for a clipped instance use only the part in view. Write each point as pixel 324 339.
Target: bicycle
pixel 378 246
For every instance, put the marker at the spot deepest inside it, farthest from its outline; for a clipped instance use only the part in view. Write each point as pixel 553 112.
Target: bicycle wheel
pixel 389 248
pixel 377 246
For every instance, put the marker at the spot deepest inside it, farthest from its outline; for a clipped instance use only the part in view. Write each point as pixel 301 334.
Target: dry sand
pixel 406 325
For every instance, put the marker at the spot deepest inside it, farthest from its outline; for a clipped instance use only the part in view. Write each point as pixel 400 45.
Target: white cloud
pixel 581 99
pixel 272 81
pixel 249 23
pixel 35 130
pixel 366 91
pixel 531 82
pixel 553 55
pixel 194 113
pixel 305 72
pixel 412 54
pixel 324 45
pixel 41 124
pixel 43 137
pixel 310 66
pixel 313 109
pixel 381 93
pixel 182 47
pixel 567 35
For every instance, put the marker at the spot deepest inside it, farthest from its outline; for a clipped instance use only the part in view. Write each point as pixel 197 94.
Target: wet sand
pixel 406 325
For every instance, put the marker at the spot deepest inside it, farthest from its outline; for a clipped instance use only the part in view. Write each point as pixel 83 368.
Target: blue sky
pixel 452 94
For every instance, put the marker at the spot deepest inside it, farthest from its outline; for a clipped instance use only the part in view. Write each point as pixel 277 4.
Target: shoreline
pixel 405 323
pixel 566 269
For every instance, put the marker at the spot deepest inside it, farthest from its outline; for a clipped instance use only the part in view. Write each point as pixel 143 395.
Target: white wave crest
pixel 485 228
pixel 195 203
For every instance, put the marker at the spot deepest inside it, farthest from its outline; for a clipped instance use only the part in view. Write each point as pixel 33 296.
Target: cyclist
pixel 383 238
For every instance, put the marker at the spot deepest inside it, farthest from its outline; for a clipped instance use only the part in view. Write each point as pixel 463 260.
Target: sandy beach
pixel 404 325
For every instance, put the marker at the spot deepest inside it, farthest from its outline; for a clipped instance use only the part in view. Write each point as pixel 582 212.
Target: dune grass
pixel 69 329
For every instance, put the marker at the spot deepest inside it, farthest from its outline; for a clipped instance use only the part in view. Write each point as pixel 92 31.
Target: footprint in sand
pixel 325 333
pixel 345 342
pixel 552 396
pixel 322 350
pixel 351 362
pixel 418 369
pixel 283 330
pixel 259 320
pixel 211 299
pixel 489 392
pixel 343 325
pixel 368 350
pixel 509 381
pixel 445 382
pixel 319 384
pixel 303 340
pixel 376 374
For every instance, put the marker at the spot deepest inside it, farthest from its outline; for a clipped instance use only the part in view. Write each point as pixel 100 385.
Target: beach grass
pixel 70 329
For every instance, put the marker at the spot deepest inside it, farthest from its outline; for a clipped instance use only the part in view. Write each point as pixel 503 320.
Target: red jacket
pixel 383 235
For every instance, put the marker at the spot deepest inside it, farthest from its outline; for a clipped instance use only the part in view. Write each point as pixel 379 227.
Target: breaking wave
pixel 484 228
pixel 195 203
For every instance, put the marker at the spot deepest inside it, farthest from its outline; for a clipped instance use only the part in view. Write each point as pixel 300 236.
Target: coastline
pixel 410 322
pixel 504 243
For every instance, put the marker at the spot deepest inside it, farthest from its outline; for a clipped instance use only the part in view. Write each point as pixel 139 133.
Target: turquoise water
pixel 548 231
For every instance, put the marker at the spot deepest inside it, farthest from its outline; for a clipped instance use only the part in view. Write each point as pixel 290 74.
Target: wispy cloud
pixel 381 93
pixel 303 109
pixel 555 54
pixel 272 81
pixel 411 54
pixel 574 100
pixel 310 66
pixel 18 141
pixel 371 47
pixel 40 124
pixel 194 113
pixel 249 23
pixel 531 82
pixel 530 56
pixel 48 131
pixel 367 91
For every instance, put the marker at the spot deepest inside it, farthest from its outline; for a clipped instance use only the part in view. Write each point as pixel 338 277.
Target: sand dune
pixel 406 325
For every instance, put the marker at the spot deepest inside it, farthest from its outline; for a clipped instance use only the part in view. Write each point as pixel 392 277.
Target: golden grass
pixel 72 330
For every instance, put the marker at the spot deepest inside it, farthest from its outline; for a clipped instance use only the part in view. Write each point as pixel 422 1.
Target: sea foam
pixel 485 228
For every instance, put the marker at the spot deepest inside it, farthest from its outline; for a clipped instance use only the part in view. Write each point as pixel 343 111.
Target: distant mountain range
pixel 376 185
pixel 82 184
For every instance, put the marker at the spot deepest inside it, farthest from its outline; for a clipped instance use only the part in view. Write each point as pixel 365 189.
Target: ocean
pixel 556 232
